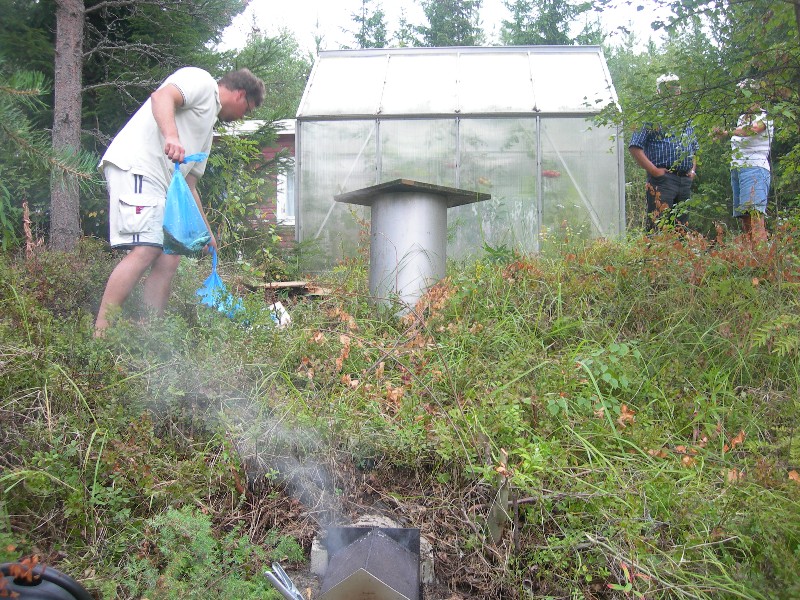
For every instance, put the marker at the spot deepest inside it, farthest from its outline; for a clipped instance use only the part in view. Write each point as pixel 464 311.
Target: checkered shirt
pixel 665 149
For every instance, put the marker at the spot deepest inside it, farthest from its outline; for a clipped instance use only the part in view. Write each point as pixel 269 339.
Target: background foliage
pixel 709 45
pixel 129 48
pixel 637 398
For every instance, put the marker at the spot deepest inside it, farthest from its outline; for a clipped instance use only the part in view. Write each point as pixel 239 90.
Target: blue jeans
pixel 750 188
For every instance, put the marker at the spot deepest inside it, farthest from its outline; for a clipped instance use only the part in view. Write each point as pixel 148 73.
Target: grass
pixel 645 393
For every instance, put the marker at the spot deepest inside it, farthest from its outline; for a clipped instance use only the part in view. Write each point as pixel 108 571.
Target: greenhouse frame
pixel 515 122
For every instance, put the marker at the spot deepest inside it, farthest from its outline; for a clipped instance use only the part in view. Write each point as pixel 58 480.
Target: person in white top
pixel 176 120
pixel 750 169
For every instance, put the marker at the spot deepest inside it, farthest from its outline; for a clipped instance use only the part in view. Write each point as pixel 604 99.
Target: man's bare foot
pixel 100 328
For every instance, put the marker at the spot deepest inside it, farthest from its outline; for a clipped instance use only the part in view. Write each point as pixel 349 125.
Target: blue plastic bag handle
pixel 213 259
pixel 200 156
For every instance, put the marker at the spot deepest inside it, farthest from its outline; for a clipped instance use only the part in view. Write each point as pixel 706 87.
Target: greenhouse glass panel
pixel 483 88
pixel 336 156
pixel 419 149
pixel 498 156
pixel 567 82
pixel 580 186
pixel 412 88
pixel 347 91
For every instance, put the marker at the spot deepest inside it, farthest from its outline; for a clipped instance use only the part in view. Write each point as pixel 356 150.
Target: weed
pixel 636 398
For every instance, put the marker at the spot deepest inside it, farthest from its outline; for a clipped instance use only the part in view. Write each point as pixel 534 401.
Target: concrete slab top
pixel 454 196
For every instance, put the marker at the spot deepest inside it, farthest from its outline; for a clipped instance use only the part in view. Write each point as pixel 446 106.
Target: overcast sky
pixel 332 17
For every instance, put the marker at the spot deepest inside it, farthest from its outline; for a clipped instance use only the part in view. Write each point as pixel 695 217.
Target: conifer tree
pixel 29 158
pixel 548 22
pixel 370 26
pixel 451 23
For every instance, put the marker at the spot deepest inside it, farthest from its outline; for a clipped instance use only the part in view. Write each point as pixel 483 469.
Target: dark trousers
pixel 663 194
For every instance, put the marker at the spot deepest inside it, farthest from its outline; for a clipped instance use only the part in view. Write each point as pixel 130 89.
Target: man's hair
pixel 664 79
pixel 243 79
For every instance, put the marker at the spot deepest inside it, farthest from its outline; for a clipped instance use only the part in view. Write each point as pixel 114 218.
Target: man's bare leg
pixel 122 280
pixel 158 284
pixel 758 228
pixel 747 227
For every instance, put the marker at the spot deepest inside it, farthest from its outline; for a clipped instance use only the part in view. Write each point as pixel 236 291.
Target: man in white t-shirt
pixel 177 120
pixel 750 172
pixel 750 168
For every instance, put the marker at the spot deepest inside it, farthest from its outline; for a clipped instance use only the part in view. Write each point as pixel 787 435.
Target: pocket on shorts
pixel 137 213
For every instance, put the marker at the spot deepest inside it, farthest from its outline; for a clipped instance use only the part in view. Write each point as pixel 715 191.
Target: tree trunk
pixel 64 190
pixel 797 14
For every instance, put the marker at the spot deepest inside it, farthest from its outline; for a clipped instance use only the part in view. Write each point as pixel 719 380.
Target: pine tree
pixel 547 22
pixel 29 159
pixel 451 23
pixel 371 26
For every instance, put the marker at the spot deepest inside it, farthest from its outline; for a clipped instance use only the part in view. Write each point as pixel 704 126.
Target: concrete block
pixel 319 558
pixel 426 572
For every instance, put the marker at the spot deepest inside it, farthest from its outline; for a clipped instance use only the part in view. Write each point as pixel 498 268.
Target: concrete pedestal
pixel 408 236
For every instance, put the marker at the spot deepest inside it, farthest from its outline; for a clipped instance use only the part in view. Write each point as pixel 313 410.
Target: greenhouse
pixel 514 123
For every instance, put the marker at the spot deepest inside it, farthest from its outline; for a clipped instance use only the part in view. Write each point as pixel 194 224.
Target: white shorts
pixel 136 208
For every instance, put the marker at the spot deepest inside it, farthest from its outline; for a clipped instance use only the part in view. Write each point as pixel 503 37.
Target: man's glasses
pixel 251 106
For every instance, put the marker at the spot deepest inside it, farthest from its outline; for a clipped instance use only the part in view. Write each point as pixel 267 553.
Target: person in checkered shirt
pixel 668 157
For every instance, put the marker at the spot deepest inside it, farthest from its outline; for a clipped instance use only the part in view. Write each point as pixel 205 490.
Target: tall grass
pixel 638 398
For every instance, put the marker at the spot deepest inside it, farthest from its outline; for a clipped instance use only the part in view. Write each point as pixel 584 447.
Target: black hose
pixel 55 577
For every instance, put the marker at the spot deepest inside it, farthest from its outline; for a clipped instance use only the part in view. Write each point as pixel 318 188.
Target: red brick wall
pixel 268 207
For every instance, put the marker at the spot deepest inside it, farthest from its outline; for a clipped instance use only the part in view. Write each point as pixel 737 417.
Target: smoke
pixel 293 457
pixel 195 394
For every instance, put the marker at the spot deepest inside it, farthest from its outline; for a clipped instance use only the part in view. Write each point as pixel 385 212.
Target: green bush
pixel 637 399
pixel 183 558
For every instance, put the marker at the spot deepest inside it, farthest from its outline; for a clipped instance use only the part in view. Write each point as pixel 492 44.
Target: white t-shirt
pixel 752 150
pixel 139 146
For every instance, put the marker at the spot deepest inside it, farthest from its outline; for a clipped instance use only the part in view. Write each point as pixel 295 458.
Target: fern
pixel 781 335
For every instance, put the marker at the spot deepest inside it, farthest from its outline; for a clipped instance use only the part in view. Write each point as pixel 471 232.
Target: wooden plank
pixel 285 284
pixel 301 286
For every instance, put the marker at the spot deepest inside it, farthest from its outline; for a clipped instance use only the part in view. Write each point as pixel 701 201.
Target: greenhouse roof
pixel 511 80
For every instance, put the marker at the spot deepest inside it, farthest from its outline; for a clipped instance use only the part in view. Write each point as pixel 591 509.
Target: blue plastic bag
pixel 213 292
pixel 185 231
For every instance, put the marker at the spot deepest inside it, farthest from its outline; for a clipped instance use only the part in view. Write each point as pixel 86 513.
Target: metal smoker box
pixel 372 563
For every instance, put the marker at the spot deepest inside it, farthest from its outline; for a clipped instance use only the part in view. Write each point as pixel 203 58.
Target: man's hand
pixel 657 172
pixel 641 159
pixel 174 149
pixel 718 133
